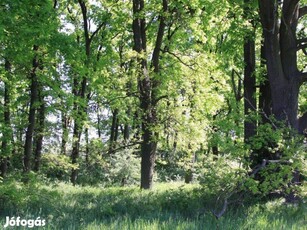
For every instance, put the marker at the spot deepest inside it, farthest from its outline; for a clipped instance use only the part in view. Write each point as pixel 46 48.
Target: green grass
pixel 168 206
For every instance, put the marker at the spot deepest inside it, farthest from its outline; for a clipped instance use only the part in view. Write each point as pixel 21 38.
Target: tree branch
pixel 55 3
pixel 300 41
pixel 179 59
pixel 302 123
pixel 301 47
pixel 303 77
pixel 160 98
pixel 126 146
pixel 302 11
pixel 159 39
pixel 97 30
pixel 226 202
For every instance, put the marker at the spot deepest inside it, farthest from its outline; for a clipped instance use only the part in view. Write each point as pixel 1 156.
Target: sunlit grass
pixel 167 206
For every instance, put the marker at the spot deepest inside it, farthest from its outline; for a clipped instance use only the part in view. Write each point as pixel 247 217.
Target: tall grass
pixel 168 206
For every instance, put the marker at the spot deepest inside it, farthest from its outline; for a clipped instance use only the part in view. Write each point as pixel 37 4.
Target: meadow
pixel 167 206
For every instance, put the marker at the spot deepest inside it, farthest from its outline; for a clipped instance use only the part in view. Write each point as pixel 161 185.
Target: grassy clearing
pixel 168 206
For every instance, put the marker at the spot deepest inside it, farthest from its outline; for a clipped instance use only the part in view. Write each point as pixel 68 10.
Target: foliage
pixel 285 155
pixel 125 168
pixel 121 169
pixel 56 166
pixel 221 175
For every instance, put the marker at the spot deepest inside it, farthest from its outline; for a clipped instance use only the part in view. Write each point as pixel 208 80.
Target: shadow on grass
pixel 68 207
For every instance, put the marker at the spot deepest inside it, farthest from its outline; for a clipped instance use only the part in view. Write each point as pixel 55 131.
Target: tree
pixel 249 81
pixel 148 87
pixel 28 147
pixel 7 132
pixel 81 83
pixel 279 23
pixel 280 20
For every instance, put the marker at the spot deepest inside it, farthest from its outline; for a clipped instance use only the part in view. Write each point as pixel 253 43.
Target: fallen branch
pixel 226 199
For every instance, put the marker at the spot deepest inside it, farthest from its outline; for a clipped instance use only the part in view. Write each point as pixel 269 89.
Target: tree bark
pixel 114 130
pixel 28 147
pixel 65 132
pixel 265 100
pixel 40 130
pixel 279 43
pixel 87 147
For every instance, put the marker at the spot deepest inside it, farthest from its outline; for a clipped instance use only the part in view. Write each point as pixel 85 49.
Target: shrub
pixel 56 166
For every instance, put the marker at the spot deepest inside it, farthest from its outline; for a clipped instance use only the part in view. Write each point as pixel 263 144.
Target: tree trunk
pixel 249 81
pixel 281 48
pixel 147 87
pixel 40 130
pixel 114 130
pixel 31 119
pixel 76 140
pixel 279 43
pixel 7 134
pixel 65 133
pixel 87 147
pixel 98 121
pixel 265 101
pixel 126 133
pixel 80 107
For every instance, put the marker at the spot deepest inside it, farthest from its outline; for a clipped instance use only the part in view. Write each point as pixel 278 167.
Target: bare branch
pixel 126 146
pixel 179 59
pixel 218 215
pixel 263 113
pixel 97 30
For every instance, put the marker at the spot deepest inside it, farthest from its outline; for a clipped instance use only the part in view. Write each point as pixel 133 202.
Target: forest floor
pixel 167 206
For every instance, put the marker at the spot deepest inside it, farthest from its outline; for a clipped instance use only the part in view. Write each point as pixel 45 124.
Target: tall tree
pixel 6 134
pixel 80 85
pixel 249 75
pixel 281 46
pixel 39 136
pixel 280 21
pixel 148 85
pixel 28 147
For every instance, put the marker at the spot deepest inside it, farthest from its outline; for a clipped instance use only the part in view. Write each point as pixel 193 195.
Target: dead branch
pixel 235 190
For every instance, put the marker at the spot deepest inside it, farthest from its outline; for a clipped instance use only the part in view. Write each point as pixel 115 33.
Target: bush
pixel 125 168
pixel 120 168
pixel 280 153
pixel 56 166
